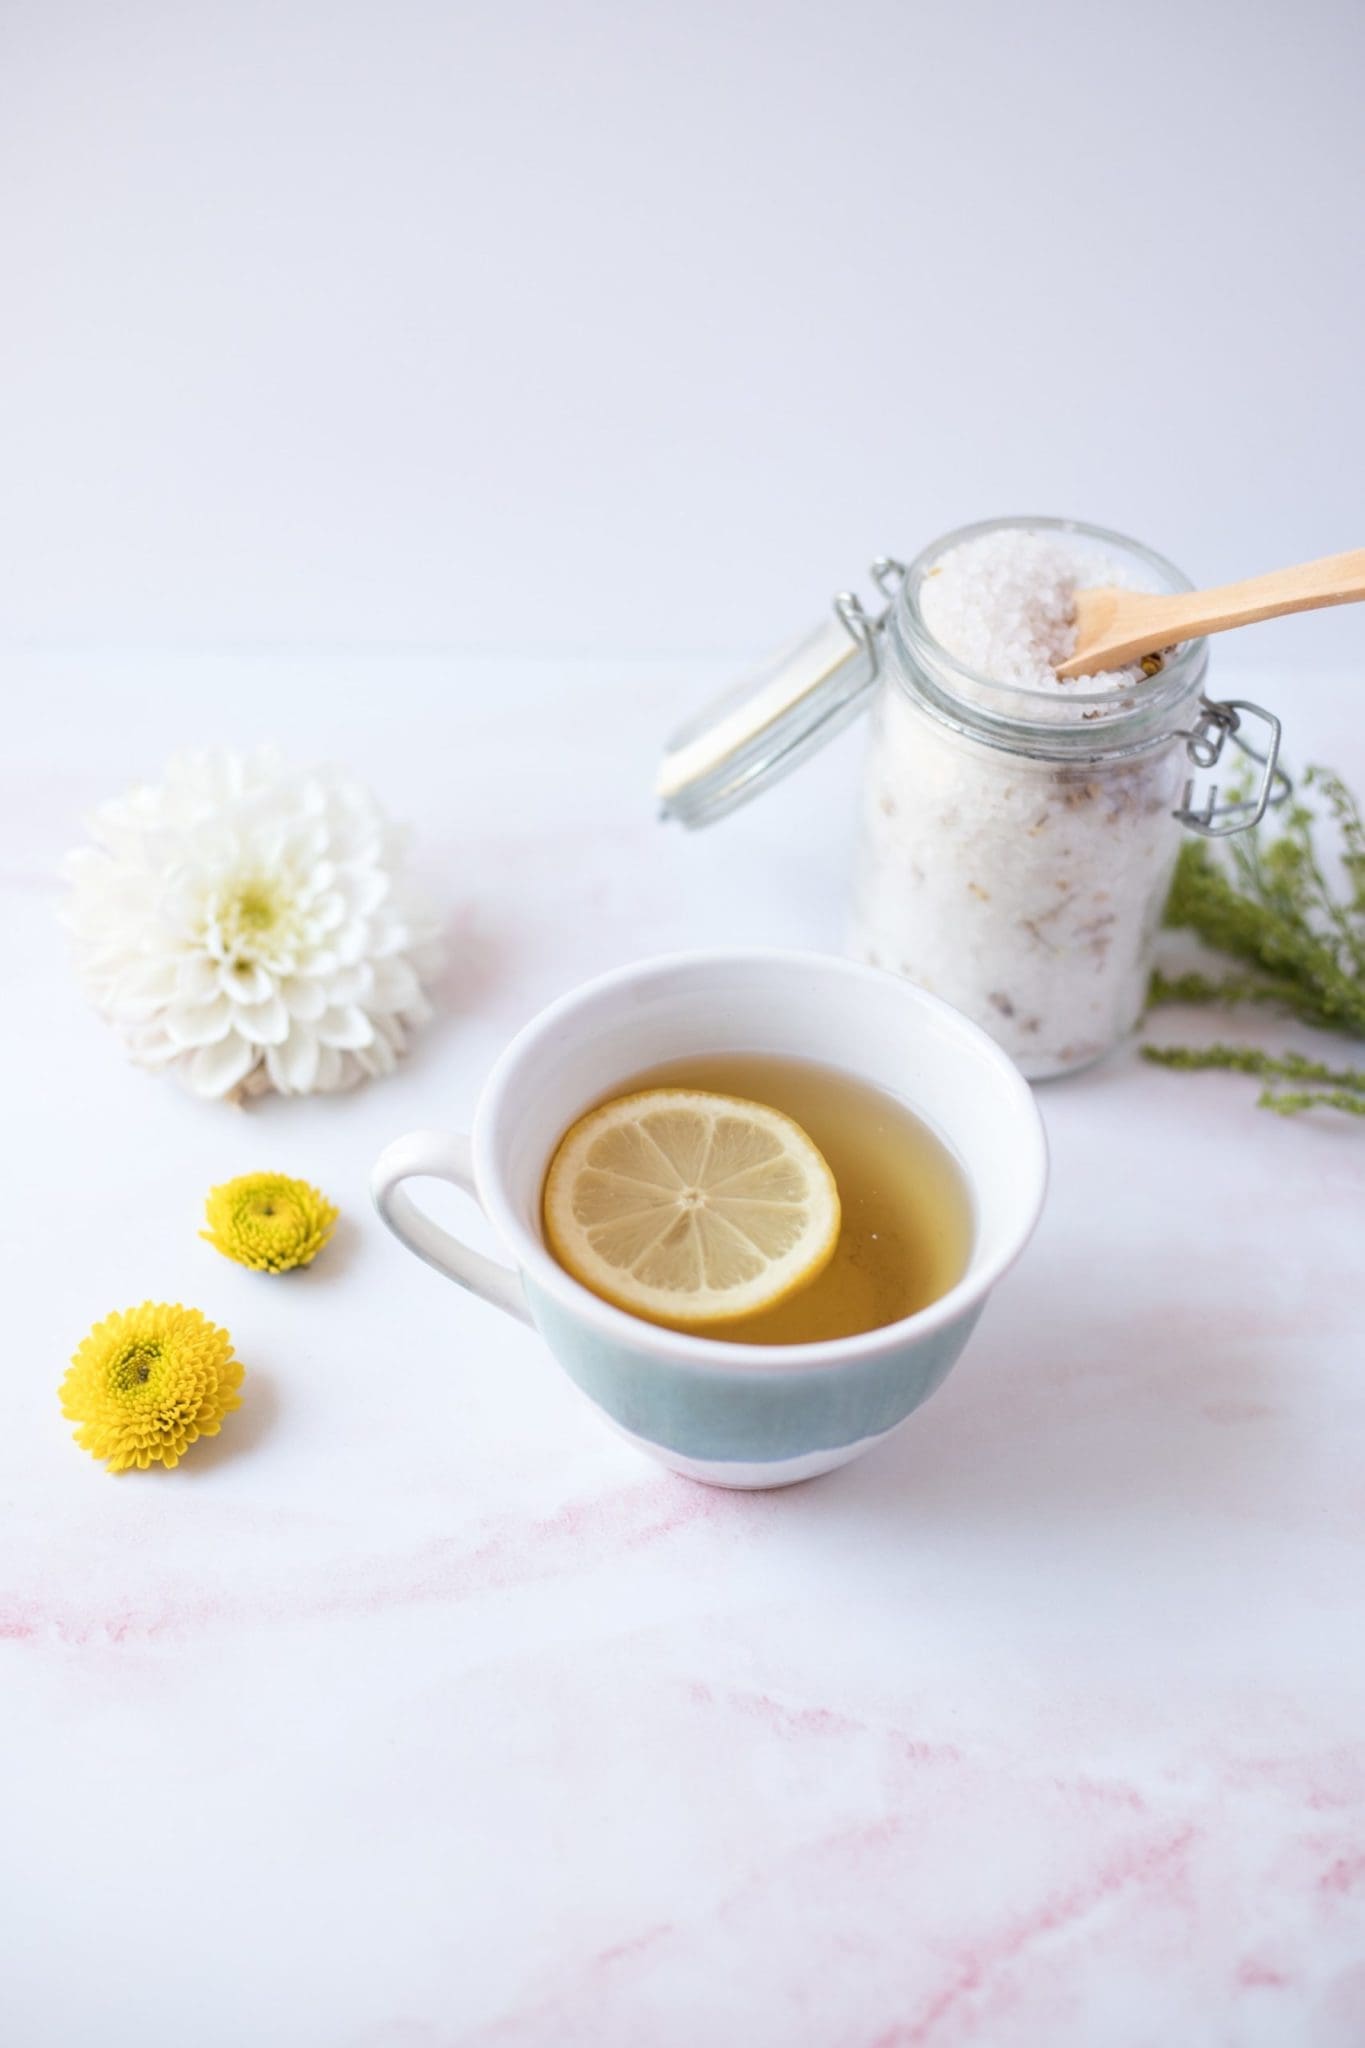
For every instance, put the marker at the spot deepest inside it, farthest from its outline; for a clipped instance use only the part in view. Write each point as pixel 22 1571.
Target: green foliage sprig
pixel 1267 900
pixel 1342 1088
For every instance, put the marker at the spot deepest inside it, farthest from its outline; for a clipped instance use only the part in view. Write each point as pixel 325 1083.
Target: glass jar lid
pixel 767 724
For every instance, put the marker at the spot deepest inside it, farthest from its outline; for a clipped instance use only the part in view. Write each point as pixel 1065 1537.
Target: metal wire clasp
pixel 888 574
pixel 1219 721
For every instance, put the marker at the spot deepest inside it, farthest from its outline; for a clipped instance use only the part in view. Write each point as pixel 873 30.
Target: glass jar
pixel 1017 843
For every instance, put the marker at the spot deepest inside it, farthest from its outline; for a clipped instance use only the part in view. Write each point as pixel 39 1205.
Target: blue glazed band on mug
pixel 762 1423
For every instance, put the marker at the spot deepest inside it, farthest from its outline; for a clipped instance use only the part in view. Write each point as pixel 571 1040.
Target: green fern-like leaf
pixel 1267 900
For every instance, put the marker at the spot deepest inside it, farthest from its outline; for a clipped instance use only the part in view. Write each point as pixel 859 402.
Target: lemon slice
pixel 690 1208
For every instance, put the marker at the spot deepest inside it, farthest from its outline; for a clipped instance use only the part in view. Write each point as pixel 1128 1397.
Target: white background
pixel 639 327
pixel 346 353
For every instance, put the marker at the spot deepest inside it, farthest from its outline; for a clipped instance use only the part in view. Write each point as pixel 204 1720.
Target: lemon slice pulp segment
pixel 688 1208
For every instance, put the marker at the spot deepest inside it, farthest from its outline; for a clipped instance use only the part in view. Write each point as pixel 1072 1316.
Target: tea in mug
pixel 892 1233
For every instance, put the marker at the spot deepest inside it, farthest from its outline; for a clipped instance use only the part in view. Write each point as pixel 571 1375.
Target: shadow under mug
pixel 731 1414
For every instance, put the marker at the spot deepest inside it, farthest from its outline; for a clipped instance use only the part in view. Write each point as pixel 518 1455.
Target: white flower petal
pixel 320 878
pixel 311 839
pixel 396 987
pixel 331 1073
pixel 148 981
pixel 293 1066
pixel 154 1051
pixel 216 845
pixel 246 982
pixel 378 1058
pixel 305 997
pixel 388 936
pixel 346 1026
pixel 352 984
pixel 216 1069
pixel 264 1023
pixel 189 1024
pixel 198 978
pixel 352 943
pixel 392 1030
pixel 365 891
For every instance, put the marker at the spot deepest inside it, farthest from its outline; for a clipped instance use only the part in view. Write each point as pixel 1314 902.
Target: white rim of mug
pixel 708 1353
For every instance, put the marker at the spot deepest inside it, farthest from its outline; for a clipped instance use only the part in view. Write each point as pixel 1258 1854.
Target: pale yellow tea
pixel 906 1228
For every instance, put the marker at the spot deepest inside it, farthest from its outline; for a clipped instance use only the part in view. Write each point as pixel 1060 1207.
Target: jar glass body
pixel 1018 845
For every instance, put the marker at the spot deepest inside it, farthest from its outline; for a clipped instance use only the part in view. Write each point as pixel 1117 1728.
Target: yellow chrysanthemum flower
pixel 147 1382
pixel 268 1222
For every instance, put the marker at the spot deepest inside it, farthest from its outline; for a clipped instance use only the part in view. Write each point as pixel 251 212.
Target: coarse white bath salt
pixel 1004 604
pixel 1019 832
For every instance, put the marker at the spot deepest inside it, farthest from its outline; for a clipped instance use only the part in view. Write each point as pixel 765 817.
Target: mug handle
pixel 434 1155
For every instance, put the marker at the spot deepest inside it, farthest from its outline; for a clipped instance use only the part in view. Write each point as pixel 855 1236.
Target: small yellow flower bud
pixel 268 1222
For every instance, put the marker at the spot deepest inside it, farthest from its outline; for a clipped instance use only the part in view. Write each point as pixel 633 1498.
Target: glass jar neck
pixel 1071 724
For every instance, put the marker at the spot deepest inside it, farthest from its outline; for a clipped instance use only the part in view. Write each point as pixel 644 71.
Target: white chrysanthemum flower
pixel 247 924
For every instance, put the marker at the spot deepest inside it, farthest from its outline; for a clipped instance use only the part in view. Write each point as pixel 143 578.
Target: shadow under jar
pixel 1018 843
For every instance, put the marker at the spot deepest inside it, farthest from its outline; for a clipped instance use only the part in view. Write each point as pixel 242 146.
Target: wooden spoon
pixel 1114 627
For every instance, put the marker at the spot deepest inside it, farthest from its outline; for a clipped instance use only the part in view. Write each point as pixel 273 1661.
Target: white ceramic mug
pixel 731 1414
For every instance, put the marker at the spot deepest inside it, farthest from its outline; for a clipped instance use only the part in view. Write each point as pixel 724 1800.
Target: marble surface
pixel 417 1710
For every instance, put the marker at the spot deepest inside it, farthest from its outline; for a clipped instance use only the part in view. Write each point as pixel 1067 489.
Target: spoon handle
pixel 1116 626
pixel 1336 579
